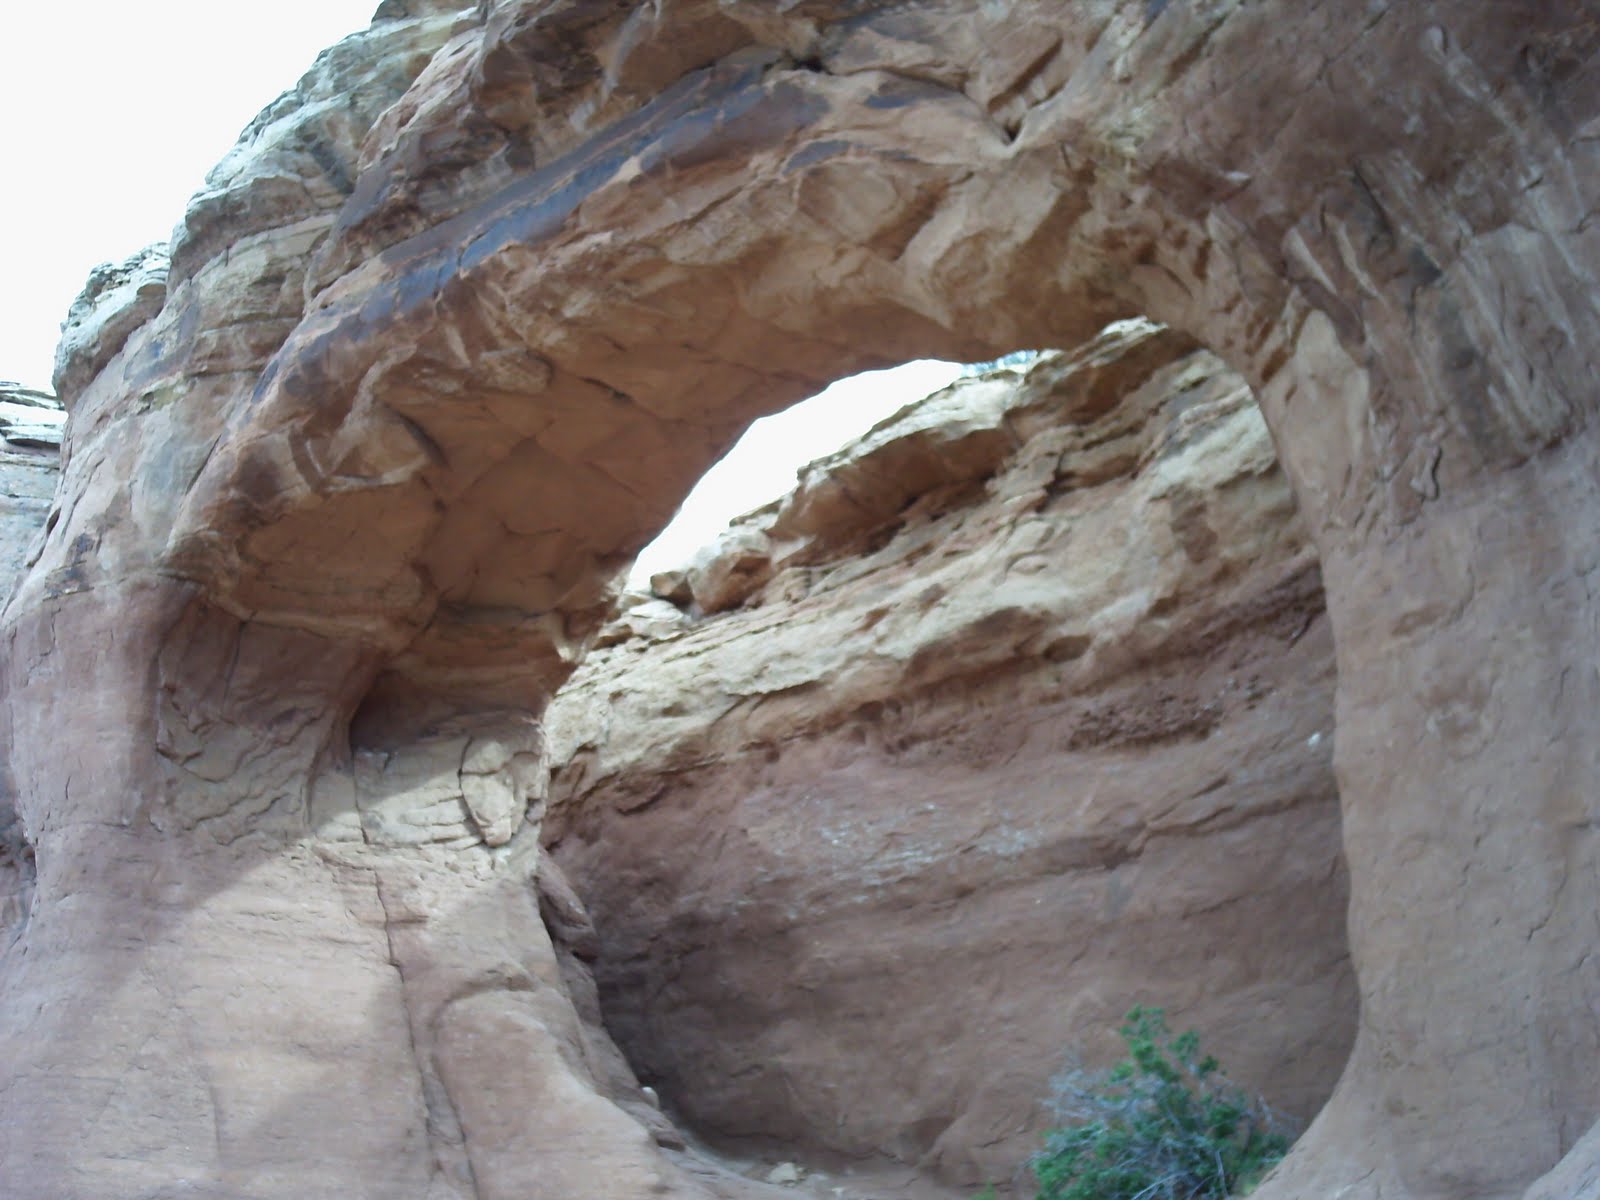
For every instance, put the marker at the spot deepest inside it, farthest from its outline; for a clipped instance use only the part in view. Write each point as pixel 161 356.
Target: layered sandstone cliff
pixel 31 427
pixel 30 462
pixel 1015 713
pixel 351 478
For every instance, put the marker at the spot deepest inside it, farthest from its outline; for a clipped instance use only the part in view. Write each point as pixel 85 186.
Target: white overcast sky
pixel 114 110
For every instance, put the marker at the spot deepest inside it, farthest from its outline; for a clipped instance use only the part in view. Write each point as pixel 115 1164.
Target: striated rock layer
pixel 1024 717
pixel 449 334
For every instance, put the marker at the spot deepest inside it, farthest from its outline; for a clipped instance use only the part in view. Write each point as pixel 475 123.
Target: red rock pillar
pixel 1460 573
pixel 257 964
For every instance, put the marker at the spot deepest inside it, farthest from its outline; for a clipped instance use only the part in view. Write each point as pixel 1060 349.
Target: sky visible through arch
pixel 762 466
pixel 114 113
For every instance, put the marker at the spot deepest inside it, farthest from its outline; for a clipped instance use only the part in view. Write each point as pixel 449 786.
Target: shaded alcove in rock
pixel 1016 712
pixel 446 342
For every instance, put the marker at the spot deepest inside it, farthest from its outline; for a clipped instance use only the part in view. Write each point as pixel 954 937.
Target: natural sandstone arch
pixel 1013 713
pixel 587 244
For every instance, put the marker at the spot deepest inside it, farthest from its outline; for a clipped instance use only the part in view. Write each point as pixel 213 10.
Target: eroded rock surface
pixel 30 462
pixel 117 299
pixel 31 426
pixel 1029 720
pixel 445 340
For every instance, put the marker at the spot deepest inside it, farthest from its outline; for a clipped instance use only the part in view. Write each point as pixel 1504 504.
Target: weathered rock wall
pixel 30 464
pixel 447 338
pixel 31 425
pixel 1016 713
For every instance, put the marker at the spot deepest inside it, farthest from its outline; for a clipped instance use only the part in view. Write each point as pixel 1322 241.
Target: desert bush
pixel 1164 1124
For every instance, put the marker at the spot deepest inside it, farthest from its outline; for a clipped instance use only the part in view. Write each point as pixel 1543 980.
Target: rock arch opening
pixel 1014 713
pixel 431 363
pixel 762 466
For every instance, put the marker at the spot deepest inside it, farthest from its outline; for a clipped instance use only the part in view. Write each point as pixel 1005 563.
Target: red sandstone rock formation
pixel 1029 722
pixel 448 336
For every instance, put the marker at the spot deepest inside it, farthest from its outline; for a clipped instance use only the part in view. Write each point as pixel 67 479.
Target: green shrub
pixel 1164 1124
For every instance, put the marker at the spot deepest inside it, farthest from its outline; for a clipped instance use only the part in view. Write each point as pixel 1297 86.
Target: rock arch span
pixel 444 341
